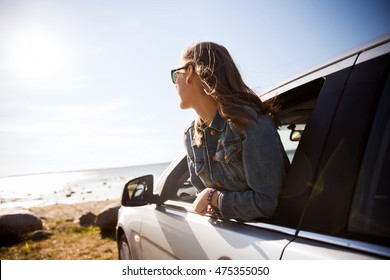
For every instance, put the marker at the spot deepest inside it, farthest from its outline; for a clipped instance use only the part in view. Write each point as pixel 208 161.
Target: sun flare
pixel 38 56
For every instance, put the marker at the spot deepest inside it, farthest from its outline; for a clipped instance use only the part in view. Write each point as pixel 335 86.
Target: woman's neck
pixel 207 109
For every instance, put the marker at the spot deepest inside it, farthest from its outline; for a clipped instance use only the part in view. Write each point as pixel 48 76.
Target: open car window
pixel 186 192
pixel 296 106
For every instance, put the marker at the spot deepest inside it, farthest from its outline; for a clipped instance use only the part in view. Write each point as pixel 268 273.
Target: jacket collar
pixel 218 122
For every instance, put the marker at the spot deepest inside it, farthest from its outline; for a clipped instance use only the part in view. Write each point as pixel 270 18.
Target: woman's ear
pixel 190 75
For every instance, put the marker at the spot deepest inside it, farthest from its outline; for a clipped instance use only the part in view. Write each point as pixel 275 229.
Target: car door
pixel 173 230
pixel 348 210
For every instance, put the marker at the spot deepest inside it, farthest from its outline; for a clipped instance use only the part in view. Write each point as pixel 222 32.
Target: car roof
pixel 341 61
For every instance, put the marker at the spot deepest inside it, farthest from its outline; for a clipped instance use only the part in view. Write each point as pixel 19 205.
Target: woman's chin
pixel 183 106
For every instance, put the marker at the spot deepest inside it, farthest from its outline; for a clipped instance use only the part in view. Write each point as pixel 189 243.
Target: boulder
pixel 87 219
pixel 108 218
pixel 39 235
pixel 16 222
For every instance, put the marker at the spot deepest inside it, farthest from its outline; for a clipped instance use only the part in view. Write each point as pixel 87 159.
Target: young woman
pixel 235 157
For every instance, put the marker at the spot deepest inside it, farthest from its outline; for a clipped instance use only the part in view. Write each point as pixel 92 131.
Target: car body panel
pixel 307 249
pixel 132 225
pixel 173 233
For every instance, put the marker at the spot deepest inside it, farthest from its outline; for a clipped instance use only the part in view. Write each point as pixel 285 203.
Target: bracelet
pixel 210 195
pixel 211 209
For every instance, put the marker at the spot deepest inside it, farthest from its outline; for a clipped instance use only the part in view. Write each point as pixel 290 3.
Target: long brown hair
pixel 221 79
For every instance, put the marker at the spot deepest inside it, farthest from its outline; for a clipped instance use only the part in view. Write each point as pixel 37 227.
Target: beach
pixel 60 200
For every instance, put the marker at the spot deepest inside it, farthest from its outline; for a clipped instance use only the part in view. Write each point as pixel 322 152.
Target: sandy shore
pixel 71 211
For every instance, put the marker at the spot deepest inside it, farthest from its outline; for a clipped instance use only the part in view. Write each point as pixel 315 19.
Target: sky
pixel 86 84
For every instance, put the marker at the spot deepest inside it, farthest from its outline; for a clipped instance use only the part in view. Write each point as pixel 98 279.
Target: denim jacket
pixel 248 168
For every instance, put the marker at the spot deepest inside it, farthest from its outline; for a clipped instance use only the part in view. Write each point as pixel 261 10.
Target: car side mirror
pixel 139 191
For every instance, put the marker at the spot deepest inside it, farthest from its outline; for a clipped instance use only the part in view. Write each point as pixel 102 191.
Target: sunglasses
pixel 175 72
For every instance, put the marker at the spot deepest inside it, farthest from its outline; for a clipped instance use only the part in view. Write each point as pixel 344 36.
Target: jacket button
pixel 225 158
pixel 214 157
pixel 213 132
pixel 218 184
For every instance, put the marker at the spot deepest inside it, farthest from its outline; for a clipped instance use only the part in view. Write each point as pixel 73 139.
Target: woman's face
pixel 184 87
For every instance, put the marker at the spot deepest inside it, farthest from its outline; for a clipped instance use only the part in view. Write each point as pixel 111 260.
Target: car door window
pixel 296 106
pixel 370 212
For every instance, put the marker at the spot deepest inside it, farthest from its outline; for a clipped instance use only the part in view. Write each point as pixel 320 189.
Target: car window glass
pixel 371 205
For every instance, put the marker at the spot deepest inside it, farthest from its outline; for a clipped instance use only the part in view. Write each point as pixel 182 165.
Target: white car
pixel 336 200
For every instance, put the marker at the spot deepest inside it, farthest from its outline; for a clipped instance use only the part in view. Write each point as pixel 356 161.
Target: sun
pixel 38 56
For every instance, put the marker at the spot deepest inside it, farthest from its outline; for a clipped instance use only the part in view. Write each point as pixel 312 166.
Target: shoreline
pixel 71 211
pixel 46 189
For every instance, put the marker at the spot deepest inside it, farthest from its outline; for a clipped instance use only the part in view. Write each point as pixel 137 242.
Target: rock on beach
pixel 87 219
pixel 108 217
pixel 16 222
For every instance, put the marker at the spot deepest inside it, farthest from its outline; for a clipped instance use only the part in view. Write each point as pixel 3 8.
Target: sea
pixel 71 187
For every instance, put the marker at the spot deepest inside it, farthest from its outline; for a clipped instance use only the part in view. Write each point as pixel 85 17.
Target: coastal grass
pixel 69 241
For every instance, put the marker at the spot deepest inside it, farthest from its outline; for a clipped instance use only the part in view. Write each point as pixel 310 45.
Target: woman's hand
pixel 201 204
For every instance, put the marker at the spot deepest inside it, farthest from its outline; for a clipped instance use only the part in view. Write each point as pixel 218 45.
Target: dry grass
pixel 69 241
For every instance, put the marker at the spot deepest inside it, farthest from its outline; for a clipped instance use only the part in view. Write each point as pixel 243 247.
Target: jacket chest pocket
pixel 229 156
pixel 227 150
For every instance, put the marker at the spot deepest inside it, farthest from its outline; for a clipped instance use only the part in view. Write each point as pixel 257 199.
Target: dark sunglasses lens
pixel 174 77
